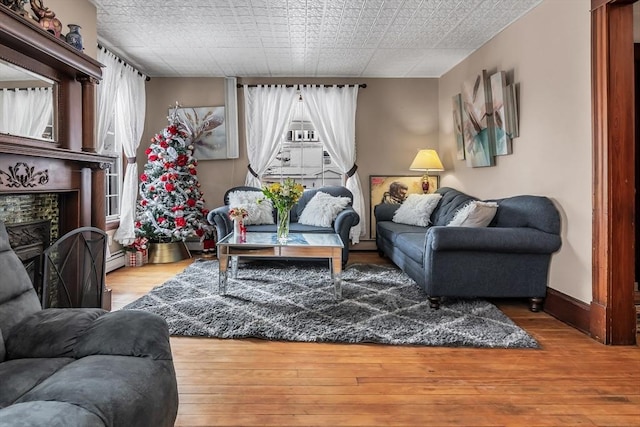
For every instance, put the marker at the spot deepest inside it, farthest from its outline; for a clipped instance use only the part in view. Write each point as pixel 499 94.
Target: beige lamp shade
pixel 426 160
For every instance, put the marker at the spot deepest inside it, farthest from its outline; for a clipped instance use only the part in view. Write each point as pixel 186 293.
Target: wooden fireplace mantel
pixel 69 165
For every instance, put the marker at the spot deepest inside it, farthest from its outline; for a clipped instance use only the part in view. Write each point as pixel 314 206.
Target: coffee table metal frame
pixel 265 245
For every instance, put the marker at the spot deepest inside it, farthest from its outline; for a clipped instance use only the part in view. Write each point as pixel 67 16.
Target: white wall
pixel 548 53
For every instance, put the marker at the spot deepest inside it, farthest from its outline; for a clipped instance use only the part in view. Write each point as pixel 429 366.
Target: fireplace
pixel 29 240
pixel 61 177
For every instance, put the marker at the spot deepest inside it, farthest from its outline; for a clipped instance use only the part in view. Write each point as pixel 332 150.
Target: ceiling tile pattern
pixel 301 38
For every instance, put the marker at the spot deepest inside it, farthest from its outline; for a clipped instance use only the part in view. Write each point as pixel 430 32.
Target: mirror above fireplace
pixel 27 106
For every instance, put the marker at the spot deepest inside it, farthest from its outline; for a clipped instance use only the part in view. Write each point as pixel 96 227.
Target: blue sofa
pixel 346 219
pixel 508 259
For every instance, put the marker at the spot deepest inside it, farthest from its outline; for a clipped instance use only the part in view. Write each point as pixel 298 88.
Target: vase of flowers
pixel 237 215
pixel 283 196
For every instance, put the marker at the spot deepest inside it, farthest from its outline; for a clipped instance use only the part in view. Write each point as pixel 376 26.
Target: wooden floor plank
pixel 571 381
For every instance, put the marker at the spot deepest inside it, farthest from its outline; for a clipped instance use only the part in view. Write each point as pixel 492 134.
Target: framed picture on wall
pixel 207 128
pixel 478 144
pixel 394 189
pixel 457 126
pixel 502 137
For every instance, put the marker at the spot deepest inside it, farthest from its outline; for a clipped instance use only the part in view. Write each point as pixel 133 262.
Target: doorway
pixel 636 72
pixel 612 313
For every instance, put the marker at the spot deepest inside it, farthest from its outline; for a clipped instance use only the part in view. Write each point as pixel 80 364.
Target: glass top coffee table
pixel 265 245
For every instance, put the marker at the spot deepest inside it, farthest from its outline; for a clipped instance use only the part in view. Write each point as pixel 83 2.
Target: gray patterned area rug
pixel 295 302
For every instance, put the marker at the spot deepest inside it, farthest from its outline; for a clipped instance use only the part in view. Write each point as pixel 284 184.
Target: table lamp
pixel 425 161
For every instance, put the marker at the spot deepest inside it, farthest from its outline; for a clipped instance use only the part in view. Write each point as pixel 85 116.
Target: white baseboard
pixel 115 261
pixel 363 245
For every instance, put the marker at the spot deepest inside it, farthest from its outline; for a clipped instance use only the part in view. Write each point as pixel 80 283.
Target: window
pixel 114 178
pixel 302 155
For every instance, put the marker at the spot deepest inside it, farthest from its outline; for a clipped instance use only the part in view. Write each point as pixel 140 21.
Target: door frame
pixel 612 312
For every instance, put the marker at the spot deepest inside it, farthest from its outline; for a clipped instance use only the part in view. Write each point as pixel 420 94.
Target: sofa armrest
pixel 385 211
pixel 50 333
pixel 346 219
pixel 492 239
pixel 126 333
pixel 219 217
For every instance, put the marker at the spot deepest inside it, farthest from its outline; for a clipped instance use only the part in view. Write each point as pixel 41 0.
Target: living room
pixel 398 116
pixel 548 54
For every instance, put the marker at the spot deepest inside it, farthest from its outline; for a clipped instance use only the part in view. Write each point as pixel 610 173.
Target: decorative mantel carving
pixel 23 176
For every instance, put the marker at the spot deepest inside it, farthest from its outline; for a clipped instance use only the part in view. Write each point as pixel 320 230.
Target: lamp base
pixel 425 183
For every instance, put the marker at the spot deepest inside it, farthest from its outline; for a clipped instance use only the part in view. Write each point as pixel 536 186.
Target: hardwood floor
pixel 571 381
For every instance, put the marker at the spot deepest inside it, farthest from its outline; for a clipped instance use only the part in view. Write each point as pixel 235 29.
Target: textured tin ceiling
pixel 309 38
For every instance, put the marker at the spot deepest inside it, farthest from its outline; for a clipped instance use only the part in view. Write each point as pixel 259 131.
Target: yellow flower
pixel 283 195
pixel 275 187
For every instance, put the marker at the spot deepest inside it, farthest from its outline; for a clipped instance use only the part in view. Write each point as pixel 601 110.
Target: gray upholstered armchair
pixel 341 225
pixel 79 366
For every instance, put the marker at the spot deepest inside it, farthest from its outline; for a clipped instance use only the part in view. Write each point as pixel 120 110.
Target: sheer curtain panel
pixel 267 112
pixel 107 92
pixel 332 111
pixel 129 125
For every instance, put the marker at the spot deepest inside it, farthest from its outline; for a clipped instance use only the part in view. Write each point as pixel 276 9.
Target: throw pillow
pixel 258 212
pixel 417 209
pixel 322 209
pixel 474 214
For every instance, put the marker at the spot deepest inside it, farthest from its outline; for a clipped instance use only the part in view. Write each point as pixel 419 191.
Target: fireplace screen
pixel 74 269
pixel 28 240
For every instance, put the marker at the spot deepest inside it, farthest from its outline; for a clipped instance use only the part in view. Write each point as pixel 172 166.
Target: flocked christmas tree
pixel 170 207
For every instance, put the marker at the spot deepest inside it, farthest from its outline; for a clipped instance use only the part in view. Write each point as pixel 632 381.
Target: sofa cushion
pixel 21 375
pixel 412 245
pixel 474 214
pixel 417 209
pixel 51 414
pixel 391 230
pixel 259 212
pixel 121 390
pixel 323 209
pixel 294 227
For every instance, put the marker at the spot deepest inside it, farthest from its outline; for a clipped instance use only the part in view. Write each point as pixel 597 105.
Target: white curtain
pixel 129 125
pixel 267 112
pixel 332 111
pixel 107 91
pixel 26 112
